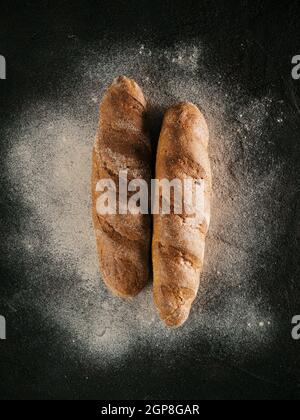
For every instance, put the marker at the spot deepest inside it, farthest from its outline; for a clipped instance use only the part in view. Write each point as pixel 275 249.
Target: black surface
pixel 31 365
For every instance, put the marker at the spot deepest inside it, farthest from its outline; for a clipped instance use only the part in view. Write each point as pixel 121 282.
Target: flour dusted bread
pixel 122 143
pixel 179 240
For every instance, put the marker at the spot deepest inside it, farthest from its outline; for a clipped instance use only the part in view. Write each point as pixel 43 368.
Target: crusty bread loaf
pixel 179 240
pixel 122 143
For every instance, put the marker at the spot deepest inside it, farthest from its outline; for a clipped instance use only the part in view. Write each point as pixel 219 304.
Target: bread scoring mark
pixel 136 100
pixel 115 95
pixel 192 169
pixel 117 234
pixel 183 255
pixel 127 131
pixel 181 294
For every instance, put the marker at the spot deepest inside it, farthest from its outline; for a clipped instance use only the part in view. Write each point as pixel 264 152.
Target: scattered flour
pixel 49 169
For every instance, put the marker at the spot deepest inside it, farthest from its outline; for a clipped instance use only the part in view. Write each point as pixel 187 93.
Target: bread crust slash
pixel 122 143
pixel 179 240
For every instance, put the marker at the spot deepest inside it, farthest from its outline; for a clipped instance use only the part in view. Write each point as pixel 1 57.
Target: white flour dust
pixel 49 168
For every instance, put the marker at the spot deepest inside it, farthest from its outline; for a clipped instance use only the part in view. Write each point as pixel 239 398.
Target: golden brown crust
pixel 179 240
pixel 123 241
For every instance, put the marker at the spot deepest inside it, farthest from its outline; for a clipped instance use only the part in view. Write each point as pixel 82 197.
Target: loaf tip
pixel 120 79
pixel 185 113
pixel 177 318
pixel 124 83
pixel 124 291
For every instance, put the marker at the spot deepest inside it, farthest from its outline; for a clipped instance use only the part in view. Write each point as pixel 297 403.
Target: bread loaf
pixel 179 240
pixel 122 143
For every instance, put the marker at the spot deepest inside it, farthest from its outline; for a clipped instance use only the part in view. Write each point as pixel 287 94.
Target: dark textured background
pixel 31 364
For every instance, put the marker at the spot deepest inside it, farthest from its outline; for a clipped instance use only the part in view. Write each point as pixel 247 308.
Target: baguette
pixel 179 240
pixel 122 143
